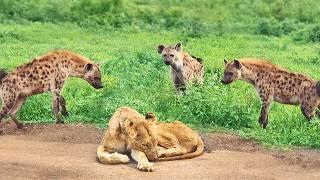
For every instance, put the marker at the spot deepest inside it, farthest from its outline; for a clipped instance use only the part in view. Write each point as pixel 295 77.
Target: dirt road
pixel 68 152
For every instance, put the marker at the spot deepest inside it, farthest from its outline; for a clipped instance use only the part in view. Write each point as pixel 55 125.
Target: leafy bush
pixel 191 18
pixel 308 34
pixel 314 35
pixel 269 27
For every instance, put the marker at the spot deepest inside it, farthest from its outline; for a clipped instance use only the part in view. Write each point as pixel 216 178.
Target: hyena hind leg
pixel 7 105
pixel 265 107
pixel 16 107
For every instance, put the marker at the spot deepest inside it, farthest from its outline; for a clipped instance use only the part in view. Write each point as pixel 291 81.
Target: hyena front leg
pixel 58 102
pixel 308 110
pixel 178 84
pixel 56 106
pixel 16 107
pixel 318 111
pixel 63 107
pixel 265 107
pixel 180 89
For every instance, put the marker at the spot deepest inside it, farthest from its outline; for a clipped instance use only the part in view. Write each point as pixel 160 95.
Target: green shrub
pixel 191 18
pixel 269 27
pixel 288 26
pixel 314 35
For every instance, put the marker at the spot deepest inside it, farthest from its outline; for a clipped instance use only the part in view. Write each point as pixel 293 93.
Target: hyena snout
pixel 226 81
pixel 96 83
pixel 167 62
pixel 228 78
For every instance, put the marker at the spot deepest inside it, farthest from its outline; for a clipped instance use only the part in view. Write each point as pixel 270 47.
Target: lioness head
pixel 141 136
pixel 169 53
pixel 232 71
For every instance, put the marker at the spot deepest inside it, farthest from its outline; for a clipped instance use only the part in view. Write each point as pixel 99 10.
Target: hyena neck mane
pixel 178 64
pixel 251 67
pixel 74 64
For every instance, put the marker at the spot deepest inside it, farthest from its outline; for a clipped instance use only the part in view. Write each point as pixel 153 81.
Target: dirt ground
pixel 68 152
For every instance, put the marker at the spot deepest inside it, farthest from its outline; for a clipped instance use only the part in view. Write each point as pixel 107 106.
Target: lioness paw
pixel 145 166
pixel 124 159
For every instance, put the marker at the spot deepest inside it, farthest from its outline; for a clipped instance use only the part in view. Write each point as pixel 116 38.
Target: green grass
pixel 124 41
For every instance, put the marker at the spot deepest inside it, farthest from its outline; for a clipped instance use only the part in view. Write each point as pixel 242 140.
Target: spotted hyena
pixel 275 83
pixel 184 68
pixel 46 73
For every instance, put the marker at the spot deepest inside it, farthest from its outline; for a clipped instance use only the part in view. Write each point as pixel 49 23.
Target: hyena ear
pixel 178 46
pixel 237 64
pixel 88 67
pixel 225 62
pixel 160 48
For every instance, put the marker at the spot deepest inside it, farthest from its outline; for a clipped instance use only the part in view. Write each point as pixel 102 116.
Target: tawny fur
pixel 176 141
pixel 274 83
pixel 185 69
pixel 45 73
pixel 130 132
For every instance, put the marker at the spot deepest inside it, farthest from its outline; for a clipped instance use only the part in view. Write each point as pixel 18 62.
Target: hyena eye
pixel 229 73
pixel 164 55
pixel 171 55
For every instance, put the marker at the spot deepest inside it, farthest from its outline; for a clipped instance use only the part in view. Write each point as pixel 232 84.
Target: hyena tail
pixel 3 74
pixel 318 88
pixel 200 60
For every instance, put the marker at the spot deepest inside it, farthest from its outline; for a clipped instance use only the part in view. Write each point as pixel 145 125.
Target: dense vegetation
pixel 123 35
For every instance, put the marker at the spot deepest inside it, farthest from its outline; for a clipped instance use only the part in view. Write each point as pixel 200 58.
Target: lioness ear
pixel 126 127
pixel 128 123
pixel 178 46
pixel 88 67
pixel 160 48
pixel 125 123
pixel 151 117
pixel 237 64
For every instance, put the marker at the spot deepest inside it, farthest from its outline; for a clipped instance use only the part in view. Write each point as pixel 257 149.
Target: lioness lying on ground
pixel 129 132
pixel 175 140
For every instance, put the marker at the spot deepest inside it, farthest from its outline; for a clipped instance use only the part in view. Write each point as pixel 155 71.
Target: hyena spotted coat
pixel 185 69
pixel 274 83
pixel 46 73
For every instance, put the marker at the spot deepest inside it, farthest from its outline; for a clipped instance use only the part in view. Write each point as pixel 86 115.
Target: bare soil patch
pixel 48 151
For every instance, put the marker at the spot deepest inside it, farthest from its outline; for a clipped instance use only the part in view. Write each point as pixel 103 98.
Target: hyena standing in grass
pixel 46 73
pixel 185 69
pixel 275 84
